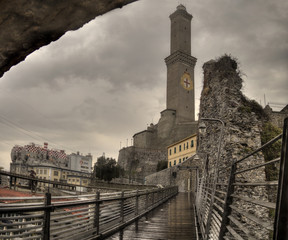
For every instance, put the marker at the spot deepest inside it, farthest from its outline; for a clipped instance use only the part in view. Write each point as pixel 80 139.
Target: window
pixel 45 171
pixel 41 171
pixel 192 143
pixel 179 160
pixel 179 148
pixel 170 152
pixel 55 173
pixel 84 181
pixel 187 145
pixel 37 171
pixel 174 162
pixel 169 164
pixel 174 149
pixel 184 146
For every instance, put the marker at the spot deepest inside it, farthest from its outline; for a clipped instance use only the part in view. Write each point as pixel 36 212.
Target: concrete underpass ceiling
pixel 27 25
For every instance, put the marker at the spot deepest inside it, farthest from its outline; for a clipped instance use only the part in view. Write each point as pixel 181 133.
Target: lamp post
pixel 202 129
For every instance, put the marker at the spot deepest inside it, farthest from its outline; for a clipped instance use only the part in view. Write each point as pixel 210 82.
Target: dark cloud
pixel 99 85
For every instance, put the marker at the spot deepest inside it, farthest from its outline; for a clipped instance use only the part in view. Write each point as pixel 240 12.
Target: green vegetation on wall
pixel 162 165
pixel 269 132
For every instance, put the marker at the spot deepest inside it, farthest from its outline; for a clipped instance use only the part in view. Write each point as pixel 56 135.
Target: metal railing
pixel 12 183
pixel 244 203
pixel 92 216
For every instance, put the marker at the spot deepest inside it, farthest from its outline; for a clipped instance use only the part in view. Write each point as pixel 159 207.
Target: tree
pixel 162 165
pixel 107 169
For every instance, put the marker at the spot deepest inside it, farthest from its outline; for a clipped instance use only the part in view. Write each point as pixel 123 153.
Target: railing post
pixel 209 218
pixel 122 207
pixel 228 202
pixel 97 213
pixel 136 209
pixel 146 202
pixel 137 203
pixel 46 226
pixel 11 182
pixel 281 213
pixel 15 180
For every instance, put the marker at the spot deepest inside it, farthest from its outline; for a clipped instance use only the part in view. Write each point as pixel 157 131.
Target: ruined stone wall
pixel 221 98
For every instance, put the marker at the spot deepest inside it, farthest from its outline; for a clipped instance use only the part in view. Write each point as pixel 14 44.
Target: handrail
pixel 100 184
pixel 95 216
pixel 244 194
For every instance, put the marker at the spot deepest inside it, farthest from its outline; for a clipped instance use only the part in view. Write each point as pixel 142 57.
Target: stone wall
pixel 181 176
pixel 166 123
pixel 146 138
pixel 140 162
pixel 221 98
pixel 27 25
pixel 277 118
pixel 165 132
pixel 150 146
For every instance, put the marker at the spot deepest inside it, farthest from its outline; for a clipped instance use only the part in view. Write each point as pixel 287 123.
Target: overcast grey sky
pixel 99 85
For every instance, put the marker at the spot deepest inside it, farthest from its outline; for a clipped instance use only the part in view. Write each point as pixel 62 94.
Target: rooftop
pixel 181 7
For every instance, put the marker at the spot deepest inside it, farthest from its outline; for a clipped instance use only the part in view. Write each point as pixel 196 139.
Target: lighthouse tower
pixel 180 68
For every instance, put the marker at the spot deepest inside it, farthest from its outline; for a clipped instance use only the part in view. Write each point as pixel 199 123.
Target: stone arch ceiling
pixel 27 25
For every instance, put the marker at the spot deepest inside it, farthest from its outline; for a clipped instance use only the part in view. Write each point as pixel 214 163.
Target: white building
pixel 78 162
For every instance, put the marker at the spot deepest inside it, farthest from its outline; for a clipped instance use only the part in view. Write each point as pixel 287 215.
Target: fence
pixel 244 203
pixel 77 217
pixel 98 184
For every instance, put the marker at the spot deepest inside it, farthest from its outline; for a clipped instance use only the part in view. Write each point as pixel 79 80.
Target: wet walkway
pixel 173 220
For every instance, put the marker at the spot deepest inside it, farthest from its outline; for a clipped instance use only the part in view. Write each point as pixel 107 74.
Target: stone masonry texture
pixel 221 98
pixel 27 25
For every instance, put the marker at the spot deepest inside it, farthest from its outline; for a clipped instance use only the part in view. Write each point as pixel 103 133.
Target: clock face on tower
pixel 186 81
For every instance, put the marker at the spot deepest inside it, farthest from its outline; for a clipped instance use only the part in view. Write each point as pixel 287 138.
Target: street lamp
pixel 202 129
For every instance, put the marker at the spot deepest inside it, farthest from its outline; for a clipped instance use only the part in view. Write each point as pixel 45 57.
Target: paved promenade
pixel 173 220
